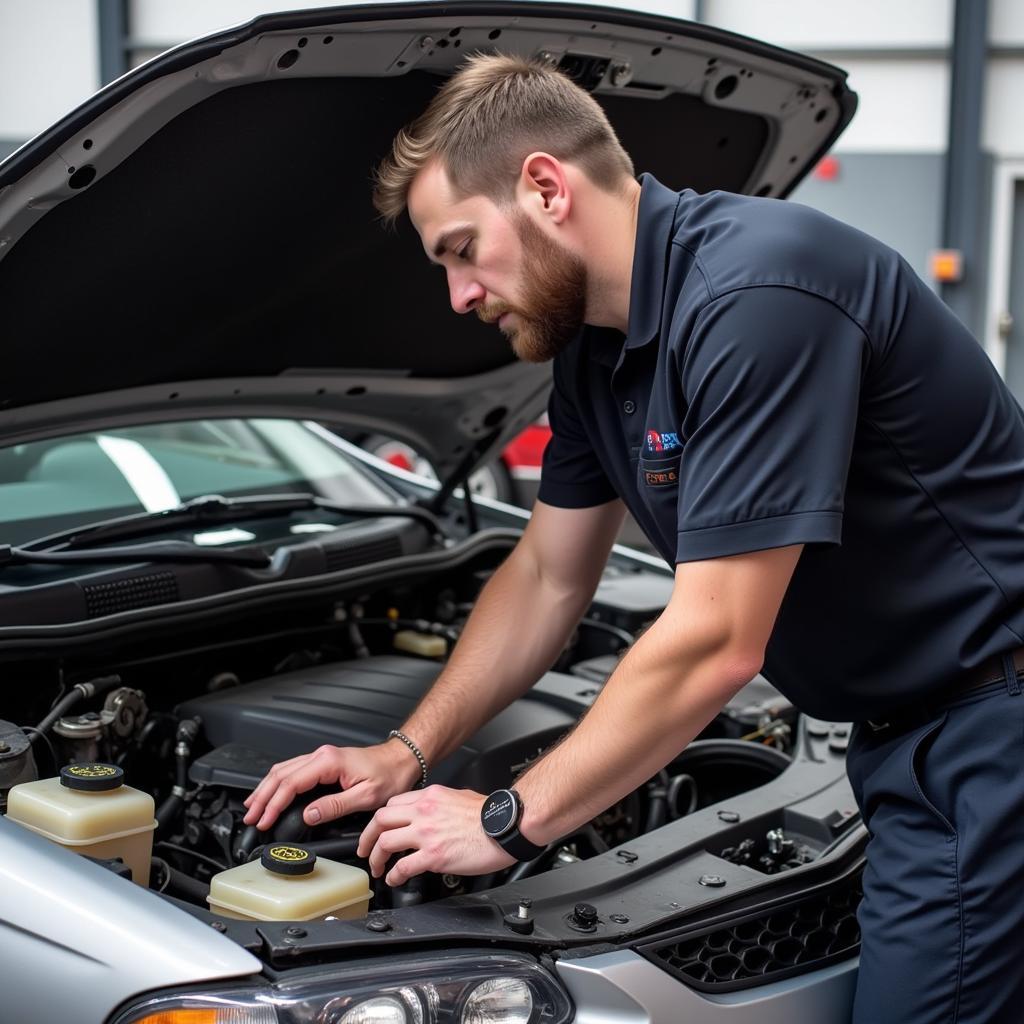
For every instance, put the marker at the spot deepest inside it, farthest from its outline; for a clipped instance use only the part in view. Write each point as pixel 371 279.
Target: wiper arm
pixel 213 508
pixel 164 551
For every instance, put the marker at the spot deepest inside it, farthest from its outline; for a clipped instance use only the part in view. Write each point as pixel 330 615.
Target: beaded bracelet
pixel 416 750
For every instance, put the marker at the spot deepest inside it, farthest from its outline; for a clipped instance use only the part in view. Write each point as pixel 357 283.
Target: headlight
pixel 485 988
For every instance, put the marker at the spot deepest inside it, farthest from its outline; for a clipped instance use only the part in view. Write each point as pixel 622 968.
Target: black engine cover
pixel 357 702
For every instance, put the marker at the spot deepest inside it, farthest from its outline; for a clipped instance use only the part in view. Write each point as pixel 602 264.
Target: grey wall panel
pixel 897 197
pixel 1015 339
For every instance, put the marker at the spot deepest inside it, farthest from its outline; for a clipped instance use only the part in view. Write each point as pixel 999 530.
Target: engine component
pixel 629 600
pixel 423 644
pixel 188 731
pixel 82 735
pixel 90 811
pixel 80 691
pixel 96 736
pixel 358 702
pixel 283 886
pixel 124 712
pixel 233 765
pixel 17 764
pixel 714 770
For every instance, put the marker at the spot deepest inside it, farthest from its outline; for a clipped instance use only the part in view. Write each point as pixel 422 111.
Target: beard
pixel 554 292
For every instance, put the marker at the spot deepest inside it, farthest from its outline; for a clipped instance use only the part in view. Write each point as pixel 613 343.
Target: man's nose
pixel 465 293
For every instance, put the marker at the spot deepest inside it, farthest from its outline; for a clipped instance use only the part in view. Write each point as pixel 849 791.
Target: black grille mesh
pixel 361 554
pixel 804 936
pixel 135 592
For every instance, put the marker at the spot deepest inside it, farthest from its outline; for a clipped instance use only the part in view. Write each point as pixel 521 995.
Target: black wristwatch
pixel 500 816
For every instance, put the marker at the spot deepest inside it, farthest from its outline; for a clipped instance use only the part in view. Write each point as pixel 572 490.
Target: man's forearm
pixel 660 697
pixel 517 629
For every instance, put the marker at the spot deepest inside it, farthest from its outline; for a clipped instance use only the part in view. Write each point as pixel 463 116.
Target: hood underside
pixel 198 239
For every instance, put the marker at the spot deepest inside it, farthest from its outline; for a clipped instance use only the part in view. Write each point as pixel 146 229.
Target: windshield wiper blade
pixel 164 551
pixel 214 508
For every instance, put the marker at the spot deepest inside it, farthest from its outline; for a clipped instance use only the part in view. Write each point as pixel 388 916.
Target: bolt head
pixel 585 913
pixel 621 74
pixel 730 817
pixel 218 926
pixel 377 924
pixel 297 932
pixel 712 881
pixel 619 918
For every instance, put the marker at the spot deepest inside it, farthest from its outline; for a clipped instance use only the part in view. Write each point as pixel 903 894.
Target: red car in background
pixel 513 477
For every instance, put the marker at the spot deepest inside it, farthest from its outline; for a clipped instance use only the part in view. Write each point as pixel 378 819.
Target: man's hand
pixel 441 828
pixel 368 776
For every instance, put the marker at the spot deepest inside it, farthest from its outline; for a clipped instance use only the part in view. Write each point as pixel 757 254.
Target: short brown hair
pixel 487 118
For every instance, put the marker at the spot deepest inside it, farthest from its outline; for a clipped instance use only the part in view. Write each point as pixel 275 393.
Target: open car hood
pixel 198 238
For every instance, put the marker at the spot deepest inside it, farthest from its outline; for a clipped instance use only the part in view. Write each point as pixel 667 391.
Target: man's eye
pixel 464 252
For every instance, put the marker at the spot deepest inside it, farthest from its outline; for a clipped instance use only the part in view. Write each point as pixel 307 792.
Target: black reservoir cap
pixel 287 859
pixel 91 776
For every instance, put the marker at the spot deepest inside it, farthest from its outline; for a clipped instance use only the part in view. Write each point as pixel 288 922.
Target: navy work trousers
pixel 942 919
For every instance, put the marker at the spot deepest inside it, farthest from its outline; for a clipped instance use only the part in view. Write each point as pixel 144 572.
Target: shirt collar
pixel 655 220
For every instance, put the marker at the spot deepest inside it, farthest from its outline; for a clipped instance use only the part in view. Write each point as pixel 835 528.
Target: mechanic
pixel 820 448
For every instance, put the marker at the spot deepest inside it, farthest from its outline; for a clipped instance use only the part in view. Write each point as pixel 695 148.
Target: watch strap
pixel 519 846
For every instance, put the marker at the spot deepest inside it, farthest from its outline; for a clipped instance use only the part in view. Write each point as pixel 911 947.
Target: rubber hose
pixel 168 810
pixel 246 844
pixel 74 695
pixel 658 807
pixel 656 810
pixel 180 884
pixel 677 783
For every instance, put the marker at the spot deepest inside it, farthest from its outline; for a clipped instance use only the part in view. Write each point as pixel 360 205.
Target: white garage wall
pixel 810 24
pixel 49 62
pixel 1006 22
pixel 1003 126
pixel 903 106
pixel 157 22
pixel 49 57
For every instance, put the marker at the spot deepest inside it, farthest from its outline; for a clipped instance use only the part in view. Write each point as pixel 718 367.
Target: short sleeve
pixel 571 473
pixel 771 376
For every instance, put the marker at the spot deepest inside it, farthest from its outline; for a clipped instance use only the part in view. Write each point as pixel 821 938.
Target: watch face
pixel 499 813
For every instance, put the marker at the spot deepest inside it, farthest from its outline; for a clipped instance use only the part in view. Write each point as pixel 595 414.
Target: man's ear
pixel 543 188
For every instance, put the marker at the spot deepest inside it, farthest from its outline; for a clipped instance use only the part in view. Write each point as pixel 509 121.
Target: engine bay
pixel 197 719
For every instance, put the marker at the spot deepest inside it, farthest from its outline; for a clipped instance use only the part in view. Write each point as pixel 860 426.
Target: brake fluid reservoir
pixel 289 883
pixel 89 810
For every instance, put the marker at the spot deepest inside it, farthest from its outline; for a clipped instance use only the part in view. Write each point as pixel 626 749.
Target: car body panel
pixel 99 940
pixel 623 988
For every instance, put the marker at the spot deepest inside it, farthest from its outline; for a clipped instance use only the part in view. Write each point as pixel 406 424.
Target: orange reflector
pixel 183 1017
pixel 947 265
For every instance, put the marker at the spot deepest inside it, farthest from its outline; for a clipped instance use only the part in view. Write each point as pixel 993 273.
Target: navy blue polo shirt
pixel 787 379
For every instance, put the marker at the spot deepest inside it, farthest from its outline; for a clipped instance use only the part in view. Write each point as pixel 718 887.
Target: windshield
pixel 63 483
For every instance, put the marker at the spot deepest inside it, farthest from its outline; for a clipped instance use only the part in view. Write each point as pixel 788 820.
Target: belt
pixel 989 671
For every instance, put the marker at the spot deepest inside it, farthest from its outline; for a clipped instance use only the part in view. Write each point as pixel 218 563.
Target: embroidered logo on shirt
pixel 659 460
pixel 661 477
pixel 663 442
